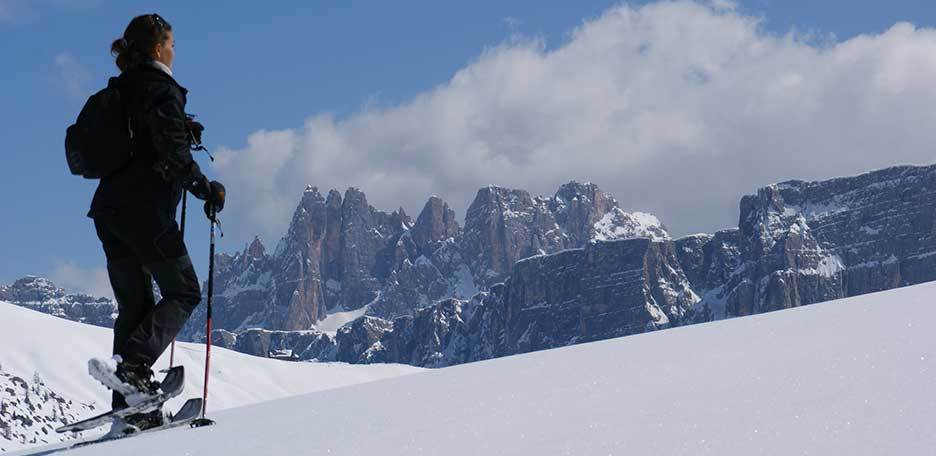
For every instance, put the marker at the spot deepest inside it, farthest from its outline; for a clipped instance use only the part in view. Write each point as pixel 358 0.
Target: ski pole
pixel 213 219
pixel 182 230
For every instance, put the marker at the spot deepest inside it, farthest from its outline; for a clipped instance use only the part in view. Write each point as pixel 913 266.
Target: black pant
pixel 143 243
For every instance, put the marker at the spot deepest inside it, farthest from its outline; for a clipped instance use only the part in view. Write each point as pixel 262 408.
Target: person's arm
pixel 173 160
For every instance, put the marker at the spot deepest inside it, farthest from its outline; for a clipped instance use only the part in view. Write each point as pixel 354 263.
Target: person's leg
pixel 157 242
pixel 180 295
pixel 133 291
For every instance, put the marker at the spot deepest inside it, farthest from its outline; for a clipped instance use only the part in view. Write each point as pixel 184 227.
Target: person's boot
pixel 138 422
pixel 144 421
pixel 135 381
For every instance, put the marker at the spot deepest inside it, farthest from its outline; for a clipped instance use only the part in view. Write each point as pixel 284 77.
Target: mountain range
pixel 527 273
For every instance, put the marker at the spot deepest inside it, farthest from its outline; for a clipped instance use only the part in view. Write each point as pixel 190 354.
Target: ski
pixel 184 417
pixel 170 387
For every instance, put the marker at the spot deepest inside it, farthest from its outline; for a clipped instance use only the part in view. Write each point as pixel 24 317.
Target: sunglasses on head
pixel 158 21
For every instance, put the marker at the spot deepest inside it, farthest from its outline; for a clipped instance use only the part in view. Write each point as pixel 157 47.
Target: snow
pixel 870 231
pixel 336 320
pixel 852 377
pixel 618 224
pixel 815 211
pixel 462 285
pixel 829 266
pixel 922 255
pixel 646 219
pixel 58 350
pixel 606 228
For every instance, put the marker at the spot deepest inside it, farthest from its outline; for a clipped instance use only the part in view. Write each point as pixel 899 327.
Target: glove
pixel 194 128
pixel 200 187
pixel 214 203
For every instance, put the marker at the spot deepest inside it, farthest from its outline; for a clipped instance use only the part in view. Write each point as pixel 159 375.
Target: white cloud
pixel 75 278
pixel 678 108
pixel 71 76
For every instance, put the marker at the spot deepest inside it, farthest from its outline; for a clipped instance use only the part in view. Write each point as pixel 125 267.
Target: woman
pixel 134 215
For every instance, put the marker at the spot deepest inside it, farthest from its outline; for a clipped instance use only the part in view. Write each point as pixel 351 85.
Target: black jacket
pixel 162 164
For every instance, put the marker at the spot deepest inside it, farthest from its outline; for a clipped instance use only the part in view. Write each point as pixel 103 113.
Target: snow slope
pixel 58 350
pixel 854 376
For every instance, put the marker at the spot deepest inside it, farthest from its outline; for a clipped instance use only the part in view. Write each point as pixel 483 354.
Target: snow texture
pixel 333 321
pixel 850 377
pixel 56 351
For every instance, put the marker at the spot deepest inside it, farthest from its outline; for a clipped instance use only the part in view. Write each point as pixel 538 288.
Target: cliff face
pixel 531 273
pixel 800 243
pixel 504 226
pixel 606 289
pixel 341 254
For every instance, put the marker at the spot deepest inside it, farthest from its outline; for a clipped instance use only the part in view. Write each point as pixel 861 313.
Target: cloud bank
pixel 74 278
pixel 677 108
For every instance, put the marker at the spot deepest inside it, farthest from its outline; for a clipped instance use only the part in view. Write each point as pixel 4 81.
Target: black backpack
pixel 100 141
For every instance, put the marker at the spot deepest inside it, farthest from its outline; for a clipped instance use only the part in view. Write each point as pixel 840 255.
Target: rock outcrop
pixel 42 295
pixel 341 254
pixel 503 226
pixel 606 289
pixel 30 411
pixel 573 268
pixel 800 243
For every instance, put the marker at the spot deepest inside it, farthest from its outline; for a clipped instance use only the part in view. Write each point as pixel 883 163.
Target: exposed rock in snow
pixel 30 411
pixel 42 295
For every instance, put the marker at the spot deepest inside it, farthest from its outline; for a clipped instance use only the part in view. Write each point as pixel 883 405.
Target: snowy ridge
pixel 55 352
pixel 853 376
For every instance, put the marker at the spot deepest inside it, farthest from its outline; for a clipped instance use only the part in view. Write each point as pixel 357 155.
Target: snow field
pixel 853 377
pixel 58 350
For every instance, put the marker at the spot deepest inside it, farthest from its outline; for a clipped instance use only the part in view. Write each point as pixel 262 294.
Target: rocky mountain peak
pixel 334 198
pixel 311 195
pixel 256 248
pixel 504 225
pixel 498 200
pixel 40 294
pixel 578 207
pixel 436 223
pixel 31 289
pixel 587 193
pixel 355 201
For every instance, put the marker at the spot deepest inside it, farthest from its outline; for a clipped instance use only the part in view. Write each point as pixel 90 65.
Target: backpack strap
pixel 127 95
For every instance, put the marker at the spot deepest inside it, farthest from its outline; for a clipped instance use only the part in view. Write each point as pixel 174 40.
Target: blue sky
pixel 252 69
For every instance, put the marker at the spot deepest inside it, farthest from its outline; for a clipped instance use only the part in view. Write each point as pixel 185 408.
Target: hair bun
pixel 120 45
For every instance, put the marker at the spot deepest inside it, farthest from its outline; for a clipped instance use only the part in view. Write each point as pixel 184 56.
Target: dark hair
pixel 139 40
